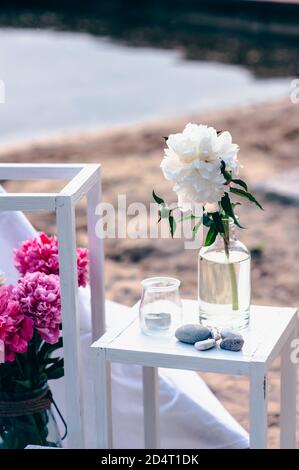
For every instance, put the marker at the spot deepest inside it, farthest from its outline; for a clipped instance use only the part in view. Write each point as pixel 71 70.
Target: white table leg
pixel 258 419
pixel 151 407
pixel 288 397
pixel 103 399
pixel 96 263
pixel 65 216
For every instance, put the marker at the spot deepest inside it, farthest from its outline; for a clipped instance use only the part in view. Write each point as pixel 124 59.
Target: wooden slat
pixel 288 395
pixel 65 214
pixel 96 257
pixel 27 202
pixel 103 405
pixel 258 407
pixel 32 171
pixel 81 183
pixel 151 407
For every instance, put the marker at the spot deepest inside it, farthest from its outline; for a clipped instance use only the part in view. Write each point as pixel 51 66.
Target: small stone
pixel 206 344
pixel 232 343
pixel 214 332
pixel 226 333
pixel 192 333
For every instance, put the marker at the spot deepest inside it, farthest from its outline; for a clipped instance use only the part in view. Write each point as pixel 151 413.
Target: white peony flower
pixel 193 162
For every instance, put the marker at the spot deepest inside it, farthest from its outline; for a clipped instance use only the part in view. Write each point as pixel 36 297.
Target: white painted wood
pixel 33 171
pixel 127 344
pixel 130 345
pixel 277 335
pixel 65 215
pixel 258 407
pixel 96 257
pixel 103 405
pixel 85 181
pixel 81 183
pixel 123 323
pixel 182 361
pixel 288 396
pixel 27 202
pixel 151 407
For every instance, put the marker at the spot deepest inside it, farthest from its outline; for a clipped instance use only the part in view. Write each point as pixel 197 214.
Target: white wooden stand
pixel 269 335
pixel 85 180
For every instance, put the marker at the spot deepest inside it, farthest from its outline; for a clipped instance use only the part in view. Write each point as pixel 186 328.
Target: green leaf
pixel 24 383
pixel 158 199
pixel 240 183
pixel 207 221
pixel 56 370
pixel 172 225
pixel 188 217
pixel 47 349
pixel 246 195
pixel 55 374
pixel 51 360
pixel 229 210
pixel 218 222
pixel 211 236
pixel 164 212
pixel 227 175
pixel 196 227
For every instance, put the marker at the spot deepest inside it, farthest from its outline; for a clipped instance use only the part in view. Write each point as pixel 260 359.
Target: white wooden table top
pixel 269 329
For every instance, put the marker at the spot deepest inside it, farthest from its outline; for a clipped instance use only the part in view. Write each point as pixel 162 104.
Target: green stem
pixel 231 270
pixel 18 362
pixel 234 287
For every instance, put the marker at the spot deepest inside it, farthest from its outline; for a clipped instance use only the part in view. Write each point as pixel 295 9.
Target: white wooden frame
pixel 264 341
pixel 85 180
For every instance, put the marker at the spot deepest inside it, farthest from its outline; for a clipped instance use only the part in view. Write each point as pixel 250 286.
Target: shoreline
pixel 56 139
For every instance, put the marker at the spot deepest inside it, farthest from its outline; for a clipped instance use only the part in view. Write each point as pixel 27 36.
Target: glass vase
pixel 160 310
pixel 224 284
pixel 27 419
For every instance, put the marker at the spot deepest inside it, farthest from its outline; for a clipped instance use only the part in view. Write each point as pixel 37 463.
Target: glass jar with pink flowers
pixel 30 329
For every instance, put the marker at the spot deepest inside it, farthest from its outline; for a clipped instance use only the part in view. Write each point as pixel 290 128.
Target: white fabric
pixel 191 416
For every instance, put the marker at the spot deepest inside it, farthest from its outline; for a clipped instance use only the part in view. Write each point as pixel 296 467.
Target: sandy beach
pixel 268 135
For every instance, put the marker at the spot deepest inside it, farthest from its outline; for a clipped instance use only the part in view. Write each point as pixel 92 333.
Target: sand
pixel 268 135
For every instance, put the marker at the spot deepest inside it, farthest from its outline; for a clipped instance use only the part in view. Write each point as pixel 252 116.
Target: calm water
pixel 58 82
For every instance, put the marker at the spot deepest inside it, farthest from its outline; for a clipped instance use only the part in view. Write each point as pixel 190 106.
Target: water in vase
pixel 224 287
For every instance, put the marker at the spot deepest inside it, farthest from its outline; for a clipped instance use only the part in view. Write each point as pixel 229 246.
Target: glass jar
pixel 224 285
pixel 160 310
pixel 19 429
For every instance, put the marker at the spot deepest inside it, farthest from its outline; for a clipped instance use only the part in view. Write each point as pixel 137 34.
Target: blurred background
pixel 72 65
pixel 104 81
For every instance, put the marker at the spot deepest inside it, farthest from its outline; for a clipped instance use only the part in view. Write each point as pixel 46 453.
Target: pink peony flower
pixel 41 254
pixel 16 329
pixel 82 266
pixel 39 297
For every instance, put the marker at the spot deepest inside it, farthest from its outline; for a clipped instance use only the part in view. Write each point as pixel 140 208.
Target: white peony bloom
pixel 193 162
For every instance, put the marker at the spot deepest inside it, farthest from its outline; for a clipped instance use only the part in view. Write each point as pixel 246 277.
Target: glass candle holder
pixel 160 310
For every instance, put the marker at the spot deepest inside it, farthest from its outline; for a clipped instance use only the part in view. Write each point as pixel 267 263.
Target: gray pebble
pixel 214 332
pixel 192 333
pixel 226 333
pixel 206 344
pixel 232 343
